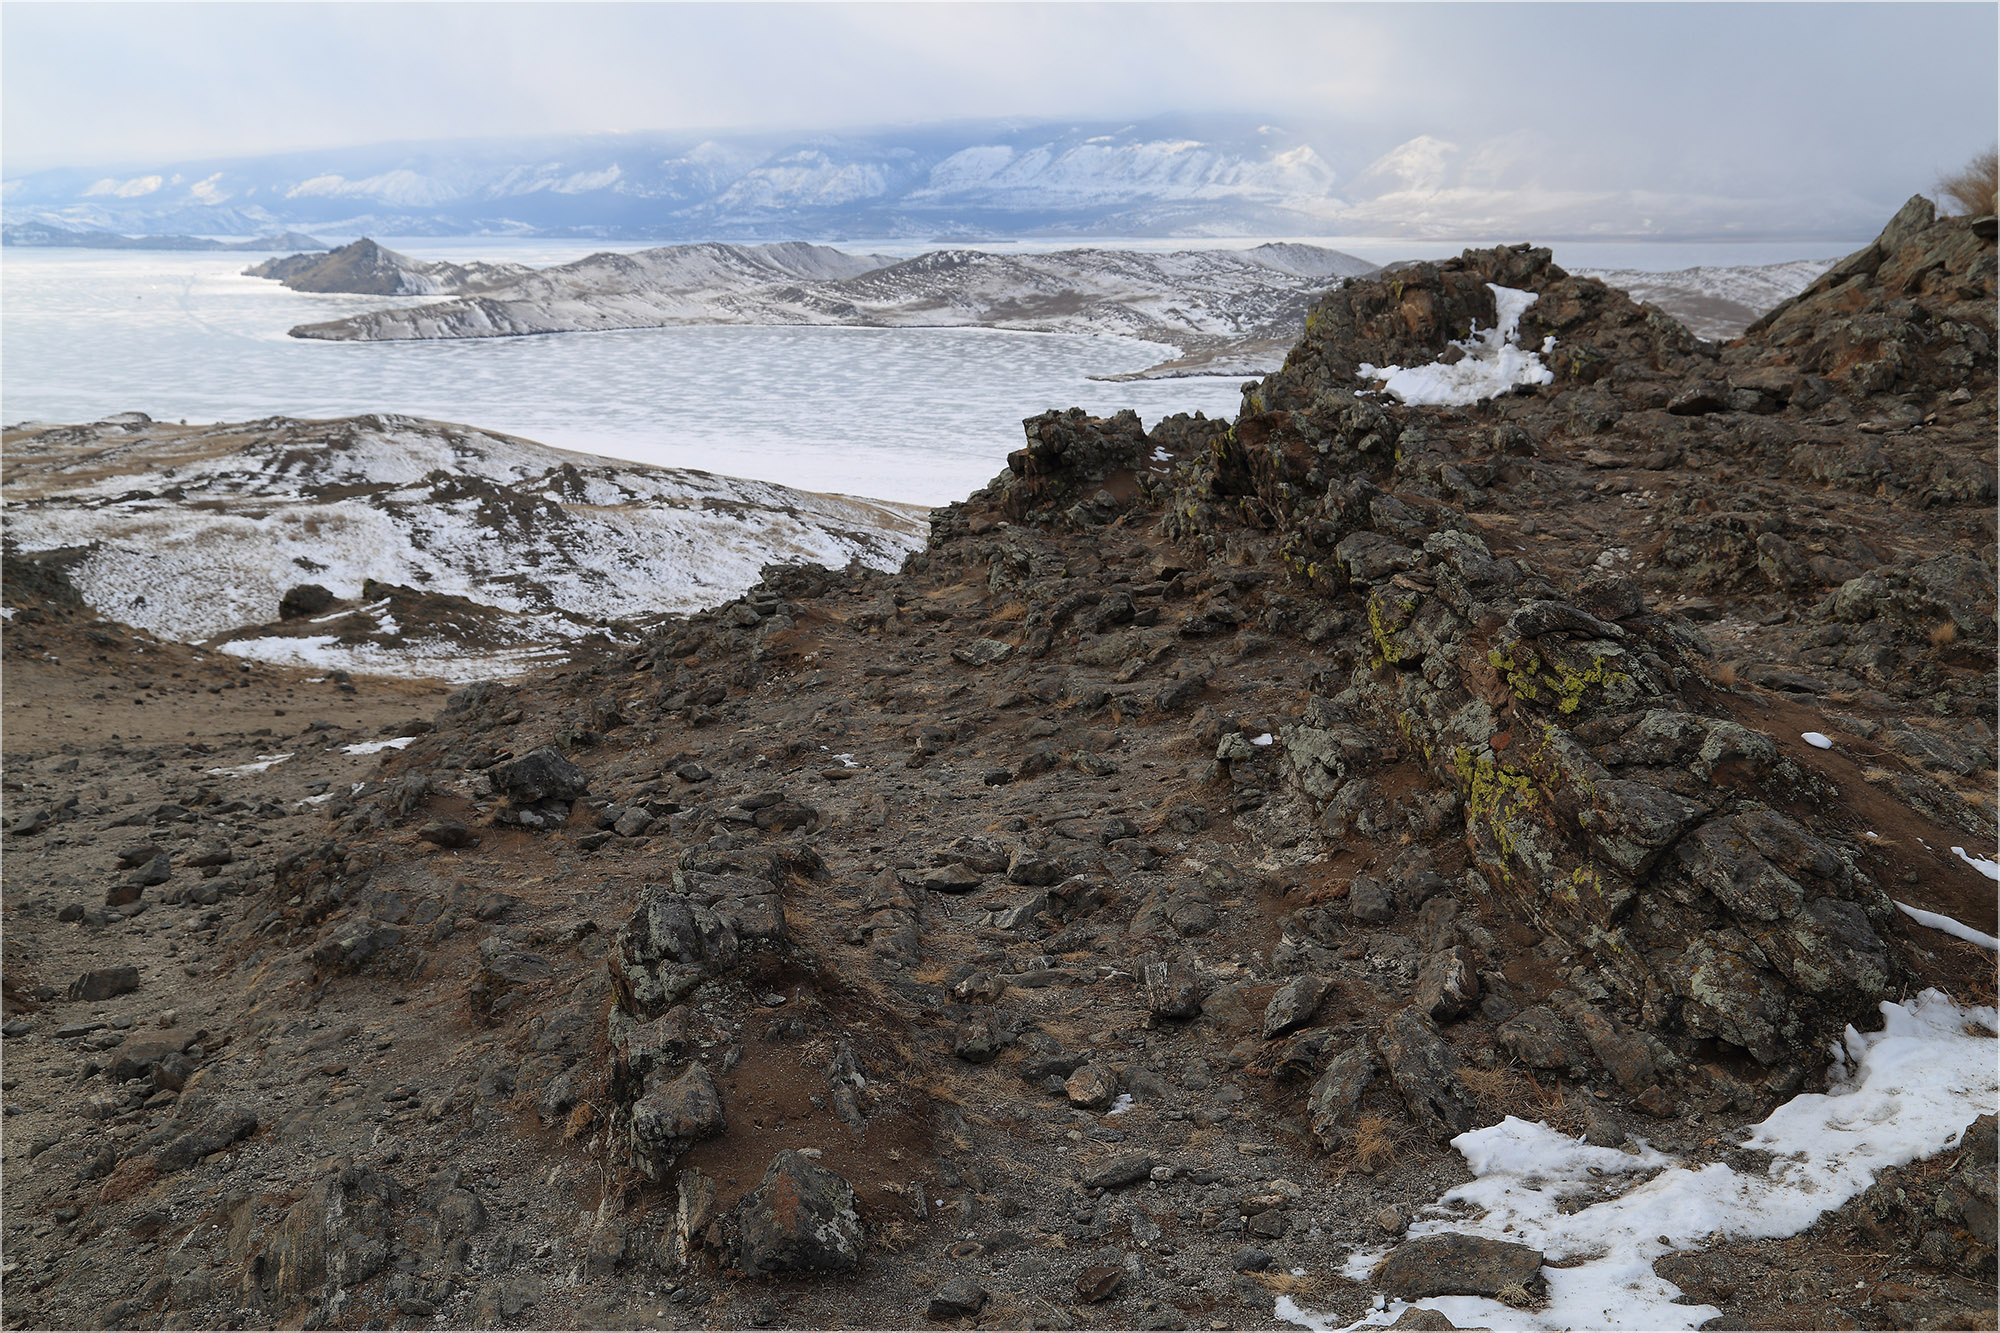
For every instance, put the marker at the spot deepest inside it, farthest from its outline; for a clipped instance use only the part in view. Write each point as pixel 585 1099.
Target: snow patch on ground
pixel 1939 921
pixel 1494 362
pixel 264 761
pixel 1894 1096
pixel 1990 869
pixel 376 747
pixel 436 661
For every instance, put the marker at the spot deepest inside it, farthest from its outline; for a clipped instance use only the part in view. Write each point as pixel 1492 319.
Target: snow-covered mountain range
pixel 1181 176
pixel 451 552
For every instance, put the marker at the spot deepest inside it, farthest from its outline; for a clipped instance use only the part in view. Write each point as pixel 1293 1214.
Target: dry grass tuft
pixel 1723 674
pixel 1974 189
pixel 940 1086
pixel 893 1236
pixel 1311 1284
pixel 581 1117
pixel 1495 1089
pixel 1517 1296
pixel 1377 1142
pixel 1944 634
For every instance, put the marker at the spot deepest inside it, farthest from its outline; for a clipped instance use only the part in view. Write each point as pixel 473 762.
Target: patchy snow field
pixel 508 547
pixel 1894 1096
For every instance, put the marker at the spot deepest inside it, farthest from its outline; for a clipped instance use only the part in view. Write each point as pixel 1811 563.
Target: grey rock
pixel 1336 1097
pixel 951 879
pixel 446 833
pixel 542 774
pixel 1173 990
pixel 800 1218
pixel 1250 1259
pixel 1540 1038
pixel 1127 1169
pixel 136 855
pixel 303 600
pixel 1425 1072
pixel 206 1131
pixel 1369 900
pixel 959 1298
pixel 977 1041
pixel 982 652
pixel 1036 869
pixel 105 982
pixel 1448 986
pixel 1093 1087
pixel 1601 1129
pixel 671 1116
pixel 1295 1004
pixel 1451 1264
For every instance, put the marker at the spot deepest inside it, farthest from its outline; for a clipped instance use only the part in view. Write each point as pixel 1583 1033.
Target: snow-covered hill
pixel 368 269
pixel 1209 303
pixel 1716 302
pixel 454 552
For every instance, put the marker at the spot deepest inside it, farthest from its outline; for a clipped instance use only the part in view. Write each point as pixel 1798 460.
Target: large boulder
pixel 799 1219
pixel 1451 1264
pixel 543 774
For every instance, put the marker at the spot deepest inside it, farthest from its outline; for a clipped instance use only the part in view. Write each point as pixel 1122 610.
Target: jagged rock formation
pixel 1029 930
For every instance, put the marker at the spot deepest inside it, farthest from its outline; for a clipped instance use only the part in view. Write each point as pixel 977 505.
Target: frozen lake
pixel 918 415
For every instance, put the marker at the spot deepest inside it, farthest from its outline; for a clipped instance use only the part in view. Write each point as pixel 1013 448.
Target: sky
pixel 1595 87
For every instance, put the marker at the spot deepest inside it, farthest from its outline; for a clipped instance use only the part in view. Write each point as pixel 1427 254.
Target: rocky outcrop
pixel 1913 310
pixel 1130 899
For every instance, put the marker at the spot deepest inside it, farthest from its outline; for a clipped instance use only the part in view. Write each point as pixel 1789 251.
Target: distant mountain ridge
pixel 45 235
pixel 1221 308
pixel 1174 176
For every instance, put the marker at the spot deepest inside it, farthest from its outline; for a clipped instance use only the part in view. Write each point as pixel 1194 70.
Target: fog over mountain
pixel 1178 176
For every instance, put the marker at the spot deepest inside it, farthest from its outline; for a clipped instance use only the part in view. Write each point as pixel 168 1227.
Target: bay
pixel 916 415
